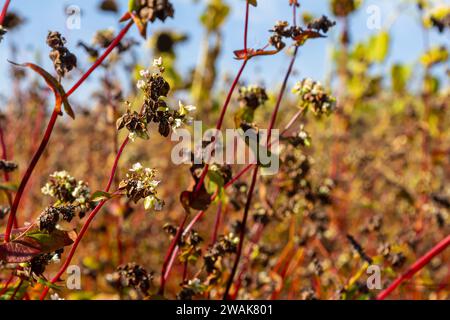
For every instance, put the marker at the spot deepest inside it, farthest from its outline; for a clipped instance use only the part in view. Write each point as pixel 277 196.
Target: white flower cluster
pixel 185 113
pixel 146 73
pixel 140 183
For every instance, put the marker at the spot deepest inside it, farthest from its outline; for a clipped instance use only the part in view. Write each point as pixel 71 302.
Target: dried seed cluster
pixel 323 24
pixel 63 60
pixel 252 96
pixel 155 109
pixel 190 289
pixel 282 31
pixel 140 184
pixel 48 220
pixel 342 8
pixel 226 244
pixel 313 96
pixel 131 275
pixel 102 40
pixel 441 23
pixel 4 211
pixel 109 6
pixel 12 20
pixel 150 10
pixel 7 166
pixel 39 263
pixel 3 31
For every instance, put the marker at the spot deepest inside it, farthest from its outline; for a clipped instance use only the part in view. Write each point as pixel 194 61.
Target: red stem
pixel 217 223
pixel 4 10
pixel 272 123
pixel 5 173
pixel 242 233
pixel 49 131
pixel 229 95
pixel 4 152
pixel 8 282
pixel 247 10
pixel 87 223
pixel 100 60
pixel 220 121
pixel 255 174
pixel 28 173
pixel 169 254
pixel 416 267
pixel 200 214
pixel 280 96
pixel 173 249
pixel 13 296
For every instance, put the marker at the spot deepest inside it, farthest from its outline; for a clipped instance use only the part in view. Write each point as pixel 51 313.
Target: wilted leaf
pixel 199 200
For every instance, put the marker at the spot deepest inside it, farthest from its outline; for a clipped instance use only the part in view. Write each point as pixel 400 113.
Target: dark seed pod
pixel 8 166
pixel 63 60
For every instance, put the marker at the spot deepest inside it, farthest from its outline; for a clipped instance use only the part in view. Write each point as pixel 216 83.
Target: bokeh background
pixel 397 16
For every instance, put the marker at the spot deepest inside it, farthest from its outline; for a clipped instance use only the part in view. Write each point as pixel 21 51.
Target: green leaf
pixel 49 242
pixel 100 196
pixel 133 5
pixel 8 186
pixel 214 182
pixel 49 284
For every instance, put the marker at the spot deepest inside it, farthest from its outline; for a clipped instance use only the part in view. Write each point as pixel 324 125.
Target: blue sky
pixel 44 15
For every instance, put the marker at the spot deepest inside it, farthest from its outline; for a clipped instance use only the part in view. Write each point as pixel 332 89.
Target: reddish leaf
pixel 125 17
pixel 242 54
pixel 54 85
pixel 30 243
pixel 140 24
pixel 18 252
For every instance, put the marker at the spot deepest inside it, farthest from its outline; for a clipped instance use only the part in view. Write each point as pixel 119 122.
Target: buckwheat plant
pixel 358 208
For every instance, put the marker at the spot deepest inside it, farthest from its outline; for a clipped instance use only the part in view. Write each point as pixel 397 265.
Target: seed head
pixel 140 184
pixel 313 96
pixel 7 166
pixel 63 60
